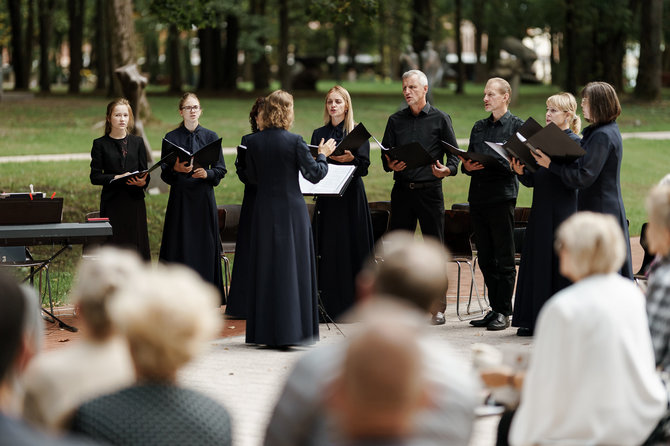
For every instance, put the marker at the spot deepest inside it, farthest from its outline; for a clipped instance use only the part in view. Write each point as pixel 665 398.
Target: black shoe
pixel 486 320
pixel 523 331
pixel 438 319
pixel 501 322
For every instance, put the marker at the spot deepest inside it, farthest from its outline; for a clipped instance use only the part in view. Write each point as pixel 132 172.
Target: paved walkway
pixel 248 380
pixel 233 150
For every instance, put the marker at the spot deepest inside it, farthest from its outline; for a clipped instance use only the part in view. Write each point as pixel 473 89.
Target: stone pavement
pixel 248 379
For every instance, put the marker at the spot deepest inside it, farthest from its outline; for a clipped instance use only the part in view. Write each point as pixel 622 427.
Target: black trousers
pixel 494 237
pixel 422 202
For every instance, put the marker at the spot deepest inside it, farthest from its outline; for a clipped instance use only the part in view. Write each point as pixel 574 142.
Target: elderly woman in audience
pixel 57 382
pixel 591 378
pixel 167 317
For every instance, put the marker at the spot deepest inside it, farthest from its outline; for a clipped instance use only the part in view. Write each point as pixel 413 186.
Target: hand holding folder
pixel 352 141
pixel 412 154
pixel 139 173
pixel 551 140
pixel 205 157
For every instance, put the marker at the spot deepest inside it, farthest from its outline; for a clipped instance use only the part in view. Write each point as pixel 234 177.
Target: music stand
pixel 333 184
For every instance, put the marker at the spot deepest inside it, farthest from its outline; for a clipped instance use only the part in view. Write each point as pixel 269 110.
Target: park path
pixel 232 150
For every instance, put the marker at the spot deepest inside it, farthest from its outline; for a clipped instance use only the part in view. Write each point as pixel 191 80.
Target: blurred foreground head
pixel 589 243
pixel 167 316
pixel 13 319
pixel 98 278
pixel 381 385
pixel 413 270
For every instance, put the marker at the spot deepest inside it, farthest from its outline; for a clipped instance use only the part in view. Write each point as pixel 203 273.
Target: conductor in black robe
pixel 191 229
pixel 282 294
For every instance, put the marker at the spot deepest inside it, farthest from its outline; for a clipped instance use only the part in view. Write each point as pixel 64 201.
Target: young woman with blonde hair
pixel 553 202
pixel 343 226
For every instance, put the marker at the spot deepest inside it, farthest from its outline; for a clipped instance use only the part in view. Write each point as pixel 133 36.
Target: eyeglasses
pixel 191 107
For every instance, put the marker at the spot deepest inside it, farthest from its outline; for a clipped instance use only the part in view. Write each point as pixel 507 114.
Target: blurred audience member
pixel 59 381
pixel 168 316
pixel 658 290
pixel 591 378
pixel 398 291
pixel 16 349
pixel 370 404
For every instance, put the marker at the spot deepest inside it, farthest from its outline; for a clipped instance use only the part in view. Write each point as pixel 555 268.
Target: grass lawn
pixel 67 124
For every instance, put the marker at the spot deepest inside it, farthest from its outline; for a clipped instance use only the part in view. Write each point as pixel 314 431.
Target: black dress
pixel 282 295
pixel 191 229
pixel 539 276
pixel 597 176
pixel 343 231
pixel 121 203
pixel 236 306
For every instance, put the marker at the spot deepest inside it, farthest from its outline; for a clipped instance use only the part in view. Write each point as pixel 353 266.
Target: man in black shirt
pixel 417 193
pixel 492 197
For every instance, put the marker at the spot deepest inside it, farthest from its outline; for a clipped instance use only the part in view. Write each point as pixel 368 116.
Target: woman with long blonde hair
pixel 343 226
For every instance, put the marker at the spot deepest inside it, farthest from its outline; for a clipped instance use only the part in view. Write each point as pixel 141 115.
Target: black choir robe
pixel 191 229
pixel 282 295
pixel 121 203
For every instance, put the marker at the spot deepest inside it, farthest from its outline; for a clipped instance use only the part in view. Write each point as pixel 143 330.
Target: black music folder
pixel 352 141
pixel 138 173
pixel 487 161
pixel 206 157
pixel 412 154
pixel 556 144
pixel 553 141
pixel 517 147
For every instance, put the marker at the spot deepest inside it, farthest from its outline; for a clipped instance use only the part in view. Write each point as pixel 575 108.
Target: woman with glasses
pixel 191 229
pixel 597 174
pixel 113 156
pixel 553 202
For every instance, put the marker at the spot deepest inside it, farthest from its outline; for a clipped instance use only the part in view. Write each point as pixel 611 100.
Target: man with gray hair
pixel 417 192
pixel 399 291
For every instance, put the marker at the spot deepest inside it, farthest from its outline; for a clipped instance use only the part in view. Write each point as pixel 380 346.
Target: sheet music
pixel 334 183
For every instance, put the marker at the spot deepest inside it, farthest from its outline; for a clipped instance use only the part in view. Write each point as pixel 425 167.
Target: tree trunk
pixel 648 85
pixel 76 36
pixel 100 52
pixel 259 67
pixel 337 70
pixel 17 46
pixel 570 48
pixel 421 31
pixel 121 38
pixel 284 72
pixel 208 58
pixel 478 22
pixel 30 41
pixel 174 60
pixel 46 9
pixel 460 69
pixel 230 67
